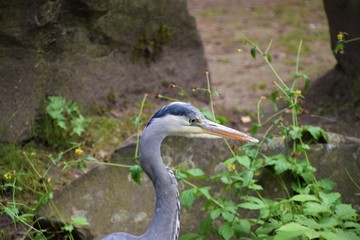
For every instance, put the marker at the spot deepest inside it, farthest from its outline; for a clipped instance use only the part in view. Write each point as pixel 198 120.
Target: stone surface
pixel 112 202
pixel 104 54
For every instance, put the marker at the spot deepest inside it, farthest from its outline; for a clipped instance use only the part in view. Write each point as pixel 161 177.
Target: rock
pixel 104 54
pixel 112 202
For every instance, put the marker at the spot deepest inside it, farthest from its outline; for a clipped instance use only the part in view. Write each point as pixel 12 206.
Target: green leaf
pixel 244 160
pixel 91 158
pixel 295 132
pixel 313 209
pixel 226 231
pixel 309 222
pixel 68 228
pixel 328 221
pixel 253 51
pixel 268 57
pixel 304 198
pixel 247 177
pixel 228 216
pixel 307 81
pixel 326 184
pixel 229 161
pixel 188 197
pixel 189 236
pixel 214 214
pixel 280 163
pixel 330 198
pixel 293 230
pixel 195 172
pixel 251 206
pixel 316 132
pixel 205 191
pixel 78 125
pixel 330 236
pixel 345 212
pixel 348 235
pixel 137 120
pixel 79 221
pixel 242 226
pixel 135 172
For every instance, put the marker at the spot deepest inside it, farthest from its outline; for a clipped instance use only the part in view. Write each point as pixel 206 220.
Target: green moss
pixel 149 45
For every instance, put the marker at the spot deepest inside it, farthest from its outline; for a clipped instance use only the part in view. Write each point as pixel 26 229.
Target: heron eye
pixel 193 120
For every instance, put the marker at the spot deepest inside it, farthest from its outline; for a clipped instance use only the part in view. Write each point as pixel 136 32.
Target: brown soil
pixel 242 80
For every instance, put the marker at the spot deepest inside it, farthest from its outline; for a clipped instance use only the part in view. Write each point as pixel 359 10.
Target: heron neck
pixel 165 221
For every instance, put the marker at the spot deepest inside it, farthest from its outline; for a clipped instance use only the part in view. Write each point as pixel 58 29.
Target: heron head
pixel 183 119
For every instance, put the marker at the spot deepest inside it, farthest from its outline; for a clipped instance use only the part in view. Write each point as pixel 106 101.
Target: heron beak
pixel 213 128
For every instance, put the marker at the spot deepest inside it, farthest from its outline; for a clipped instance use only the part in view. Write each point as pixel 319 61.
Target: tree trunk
pixel 344 16
pixel 337 93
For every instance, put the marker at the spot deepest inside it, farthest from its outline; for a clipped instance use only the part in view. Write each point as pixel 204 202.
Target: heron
pixel 174 119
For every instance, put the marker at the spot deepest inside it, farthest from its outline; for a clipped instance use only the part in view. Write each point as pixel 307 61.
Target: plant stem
pixel 138 126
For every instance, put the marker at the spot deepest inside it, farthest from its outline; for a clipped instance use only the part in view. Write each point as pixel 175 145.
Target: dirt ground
pixel 239 78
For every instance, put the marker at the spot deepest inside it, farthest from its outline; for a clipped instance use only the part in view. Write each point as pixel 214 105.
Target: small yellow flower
pixel 262 97
pixel 78 151
pixel 340 36
pixel 298 93
pixel 7 176
pixel 283 137
pixel 231 167
pixel 239 50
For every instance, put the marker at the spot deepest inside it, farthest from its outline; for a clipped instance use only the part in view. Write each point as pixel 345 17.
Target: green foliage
pixel 311 210
pixel 61 124
pixel 149 46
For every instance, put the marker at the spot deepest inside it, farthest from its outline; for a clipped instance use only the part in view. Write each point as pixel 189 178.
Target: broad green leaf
pixel 345 212
pixel 226 231
pixel 228 216
pixel 295 133
pixel 316 132
pixel 304 198
pixel 329 198
pixel 328 221
pixel 205 191
pixel 308 222
pixel 229 161
pixel 348 235
pixel 313 209
pixel 187 197
pixel 195 172
pixel 244 160
pixel 279 162
pixel 242 226
pixel 247 177
pixel 214 214
pixel 290 231
pixel 330 235
pixel 79 220
pixel 326 184
pixel 68 228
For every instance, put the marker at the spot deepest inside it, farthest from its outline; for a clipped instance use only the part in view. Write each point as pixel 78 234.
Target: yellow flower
pixel 78 151
pixel 7 176
pixel 298 93
pixel 340 36
pixel 231 167
pixel 239 50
